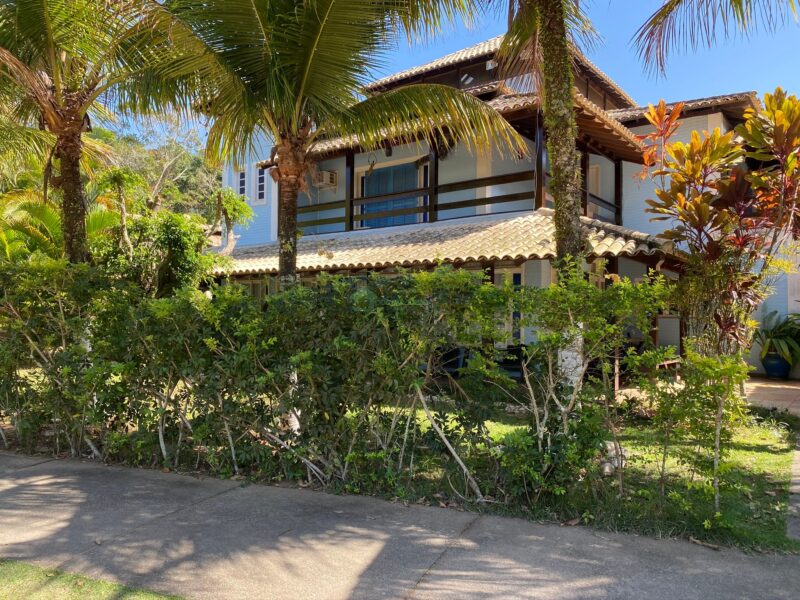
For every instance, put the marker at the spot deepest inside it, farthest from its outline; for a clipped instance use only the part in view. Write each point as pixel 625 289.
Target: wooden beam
pixel 538 199
pixel 433 184
pixel 618 192
pixel 486 181
pixel 350 188
pixel 584 181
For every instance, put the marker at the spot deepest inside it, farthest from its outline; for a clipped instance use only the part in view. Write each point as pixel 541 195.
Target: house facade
pixel 415 205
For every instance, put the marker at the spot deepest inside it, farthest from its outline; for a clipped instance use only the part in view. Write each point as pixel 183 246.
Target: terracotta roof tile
pixel 508 103
pixel 488 48
pixel 750 99
pixel 515 236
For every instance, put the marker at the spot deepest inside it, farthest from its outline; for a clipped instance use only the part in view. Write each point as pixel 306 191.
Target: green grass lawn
pixel 19 580
pixel 754 495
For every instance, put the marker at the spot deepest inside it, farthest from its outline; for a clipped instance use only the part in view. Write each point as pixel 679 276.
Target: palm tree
pixel 294 71
pixel 539 38
pixel 689 23
pixel 32 226
pixel 63 62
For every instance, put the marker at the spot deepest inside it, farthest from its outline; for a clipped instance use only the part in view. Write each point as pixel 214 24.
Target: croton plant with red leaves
pixel 732 203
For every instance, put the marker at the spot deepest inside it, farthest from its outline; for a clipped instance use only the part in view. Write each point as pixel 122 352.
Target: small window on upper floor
pixel 242 188
pixel 475 75
pixel 261 186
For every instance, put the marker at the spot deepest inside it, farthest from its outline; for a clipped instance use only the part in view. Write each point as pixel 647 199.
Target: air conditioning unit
pixel 325 179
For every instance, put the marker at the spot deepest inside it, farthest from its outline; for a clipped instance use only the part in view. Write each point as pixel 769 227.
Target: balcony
pixel 425 189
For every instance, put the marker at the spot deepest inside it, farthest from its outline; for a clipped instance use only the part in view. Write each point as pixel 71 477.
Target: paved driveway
pixel 204 538
pixel 782 395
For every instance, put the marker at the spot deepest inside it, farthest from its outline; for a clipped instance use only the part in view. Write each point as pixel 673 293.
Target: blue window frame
pixel 388 180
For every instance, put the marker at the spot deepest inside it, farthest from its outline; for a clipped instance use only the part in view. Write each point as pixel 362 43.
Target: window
pixel 388 180
pixel 261 186
pixel 595 181
pixel 476 75
pixel 242 183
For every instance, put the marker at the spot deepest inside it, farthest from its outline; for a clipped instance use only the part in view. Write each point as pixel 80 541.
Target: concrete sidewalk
pixel 205 538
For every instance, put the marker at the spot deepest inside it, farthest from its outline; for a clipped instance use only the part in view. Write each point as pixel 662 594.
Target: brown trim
pixel 618 192
pixel 433 184
pixel 321 207
pixel 698 112
pixel 602 203
pixel 486 201
pixel 538 201
pixel 585 180
pixel 420 191
pixel 349 189
pixel 316 222
pixel 486 181
pixel 397 212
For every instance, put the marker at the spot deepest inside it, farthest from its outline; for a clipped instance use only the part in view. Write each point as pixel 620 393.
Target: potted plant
pixel 780 344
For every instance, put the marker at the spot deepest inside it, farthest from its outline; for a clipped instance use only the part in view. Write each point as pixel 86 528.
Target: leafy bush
pixel 349 383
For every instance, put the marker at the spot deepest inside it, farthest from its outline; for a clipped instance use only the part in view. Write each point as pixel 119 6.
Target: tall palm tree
pixel 539 38
pixel 295 70
pixel 64 61
pixel 689 23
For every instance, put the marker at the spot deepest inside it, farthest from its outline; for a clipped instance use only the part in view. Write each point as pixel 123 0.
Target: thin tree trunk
pixel 470 480
pixel 123 221
pixel 718 447
pixel 287 231
pixel 560 123
pixel 73 204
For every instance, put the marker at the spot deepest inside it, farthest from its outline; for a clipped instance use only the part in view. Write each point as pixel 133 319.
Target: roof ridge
pixel 492 44
pixel 750 93
pixel 488 47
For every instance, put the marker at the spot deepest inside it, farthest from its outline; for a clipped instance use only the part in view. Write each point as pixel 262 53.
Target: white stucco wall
pixel 636 191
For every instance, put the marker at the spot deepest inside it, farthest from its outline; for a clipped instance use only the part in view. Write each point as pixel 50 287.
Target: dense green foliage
pixel 352 384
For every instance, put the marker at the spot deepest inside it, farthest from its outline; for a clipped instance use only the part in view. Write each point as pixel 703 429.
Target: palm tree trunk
pixel 69 148
pixel 561 126
pixel 288 189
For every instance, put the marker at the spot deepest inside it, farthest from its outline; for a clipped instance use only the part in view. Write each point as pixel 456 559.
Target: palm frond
pixel 520 53
pixel 38 224
pixel 687 24
pixel 425 111
pixel 18 142
pixel 100 220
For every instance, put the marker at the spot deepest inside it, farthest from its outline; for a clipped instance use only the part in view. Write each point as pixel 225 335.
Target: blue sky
pixel 759 63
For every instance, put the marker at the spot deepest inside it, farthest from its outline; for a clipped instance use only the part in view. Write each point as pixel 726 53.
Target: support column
pixel 584 181
pixel 538 200
pixel 433 184
pixel 618 192
pixel 350 185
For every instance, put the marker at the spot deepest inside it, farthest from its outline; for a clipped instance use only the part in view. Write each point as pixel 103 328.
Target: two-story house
pixel 413 206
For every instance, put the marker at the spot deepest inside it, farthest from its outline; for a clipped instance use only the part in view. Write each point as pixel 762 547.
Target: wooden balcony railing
pixel 434 201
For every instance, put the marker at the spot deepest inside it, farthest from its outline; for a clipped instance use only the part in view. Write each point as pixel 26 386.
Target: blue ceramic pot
pixel 776 367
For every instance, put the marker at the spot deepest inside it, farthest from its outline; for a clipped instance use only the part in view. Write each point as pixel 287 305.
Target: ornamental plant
pixel 731 201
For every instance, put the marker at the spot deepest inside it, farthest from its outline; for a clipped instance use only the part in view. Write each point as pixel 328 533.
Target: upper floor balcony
pixel 351 189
